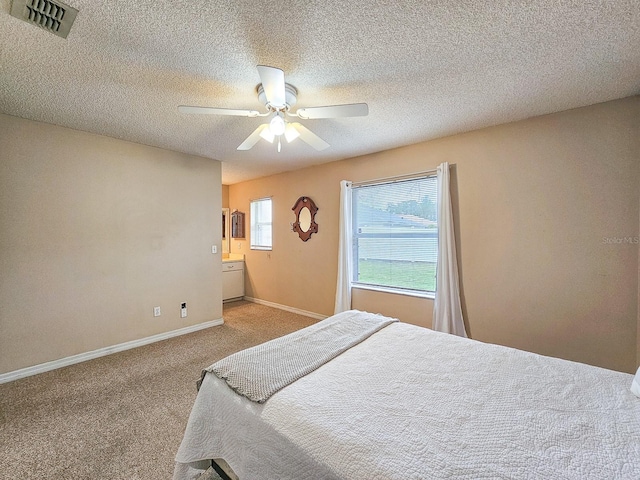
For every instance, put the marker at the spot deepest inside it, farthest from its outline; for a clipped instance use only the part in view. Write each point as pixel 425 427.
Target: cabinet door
pixel 232 284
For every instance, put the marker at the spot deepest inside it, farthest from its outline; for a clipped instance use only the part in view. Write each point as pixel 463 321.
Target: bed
pixel 407 402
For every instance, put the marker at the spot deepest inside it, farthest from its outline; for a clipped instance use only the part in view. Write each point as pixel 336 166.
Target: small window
pixel 261 224
pixel 395 235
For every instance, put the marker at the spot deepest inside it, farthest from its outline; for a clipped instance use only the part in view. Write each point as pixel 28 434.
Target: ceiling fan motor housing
pixel 291 96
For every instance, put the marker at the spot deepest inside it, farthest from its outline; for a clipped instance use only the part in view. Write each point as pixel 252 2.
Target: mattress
pixel 411 403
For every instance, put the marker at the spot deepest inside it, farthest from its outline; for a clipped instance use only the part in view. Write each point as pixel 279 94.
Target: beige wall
pixel 225 196
pixel 95 232
pixel 535 201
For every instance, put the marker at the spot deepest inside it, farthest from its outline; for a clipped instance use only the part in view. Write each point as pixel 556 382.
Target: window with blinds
pixel 261 224
pixel 395 234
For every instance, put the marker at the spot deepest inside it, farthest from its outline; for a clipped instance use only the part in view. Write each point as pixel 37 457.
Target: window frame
pixel 257 223
pixel 355 283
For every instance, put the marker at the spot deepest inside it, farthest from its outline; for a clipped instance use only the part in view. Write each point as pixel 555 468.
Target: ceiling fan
pixel 279 97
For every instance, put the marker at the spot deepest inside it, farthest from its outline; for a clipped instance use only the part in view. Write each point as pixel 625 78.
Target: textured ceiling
pixel 427 69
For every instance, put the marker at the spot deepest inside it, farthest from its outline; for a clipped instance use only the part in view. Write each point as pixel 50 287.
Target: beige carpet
pixel 122 416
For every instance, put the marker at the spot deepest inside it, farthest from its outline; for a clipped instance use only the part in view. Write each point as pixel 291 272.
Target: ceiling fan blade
pixel 218 111
pixel 253 138
pixel 273 83
pixel 309 137
pixel 334 111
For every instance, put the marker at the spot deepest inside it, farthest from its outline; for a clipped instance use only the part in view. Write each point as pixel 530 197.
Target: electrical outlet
pixel 156 311
pixel 183 310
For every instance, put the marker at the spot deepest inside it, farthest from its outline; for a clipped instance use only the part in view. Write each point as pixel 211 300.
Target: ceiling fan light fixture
pixel 278 97
pixel 290 133
pixel 277 124
pixel 267 134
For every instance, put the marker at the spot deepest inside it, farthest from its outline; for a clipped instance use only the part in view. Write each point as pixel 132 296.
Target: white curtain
pixel 447 311
pixel 345 250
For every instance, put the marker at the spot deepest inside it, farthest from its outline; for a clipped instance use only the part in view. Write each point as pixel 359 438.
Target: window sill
pixel 397 291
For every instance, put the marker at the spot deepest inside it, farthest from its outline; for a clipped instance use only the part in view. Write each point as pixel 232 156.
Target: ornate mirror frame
pixel 237 224
pixel 305 202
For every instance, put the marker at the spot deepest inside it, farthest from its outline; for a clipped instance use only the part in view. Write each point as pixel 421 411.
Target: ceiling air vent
pixel 55 17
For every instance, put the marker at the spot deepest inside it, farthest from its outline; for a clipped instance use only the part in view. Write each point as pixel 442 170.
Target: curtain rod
pixel 398 178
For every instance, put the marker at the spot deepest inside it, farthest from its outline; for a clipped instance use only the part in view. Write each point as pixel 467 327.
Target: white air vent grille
pixel 55 17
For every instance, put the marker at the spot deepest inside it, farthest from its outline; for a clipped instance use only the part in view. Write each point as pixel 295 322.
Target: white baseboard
pixel 101 352
pixel 317 316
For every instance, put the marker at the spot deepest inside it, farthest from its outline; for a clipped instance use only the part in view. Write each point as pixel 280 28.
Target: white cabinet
pixel 232 280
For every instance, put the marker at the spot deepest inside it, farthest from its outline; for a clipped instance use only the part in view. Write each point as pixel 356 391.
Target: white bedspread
pixel 259 372
pixel 410 403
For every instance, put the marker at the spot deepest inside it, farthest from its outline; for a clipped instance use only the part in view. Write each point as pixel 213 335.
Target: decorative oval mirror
pixel 304 217
pixel 305 223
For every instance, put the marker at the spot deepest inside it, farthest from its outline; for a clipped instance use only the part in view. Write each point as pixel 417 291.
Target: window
pixel 395 235
pixel 261 220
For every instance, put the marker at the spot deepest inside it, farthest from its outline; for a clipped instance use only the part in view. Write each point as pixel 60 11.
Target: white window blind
pixel 395 234
pixel 261 224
